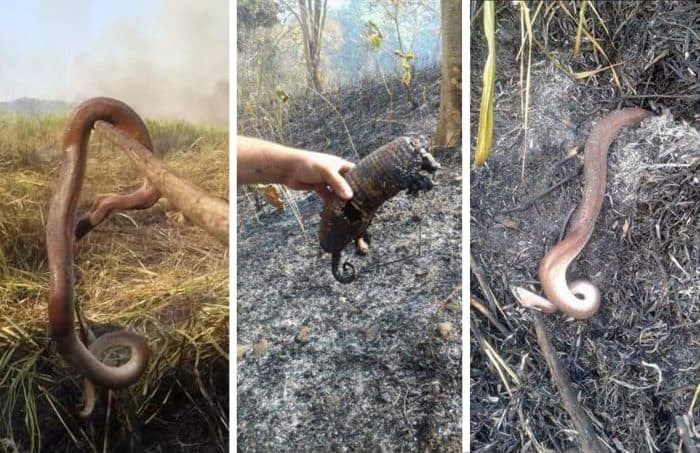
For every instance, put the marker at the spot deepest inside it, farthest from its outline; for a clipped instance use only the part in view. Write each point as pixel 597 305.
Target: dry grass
pixel 485 133
pixel 585 41
pixel 150 271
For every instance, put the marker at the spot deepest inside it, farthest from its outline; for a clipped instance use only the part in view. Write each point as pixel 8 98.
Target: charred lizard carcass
pixel 401 164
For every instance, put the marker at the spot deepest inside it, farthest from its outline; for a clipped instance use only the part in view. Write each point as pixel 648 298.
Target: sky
pixel 166 58
pixel 336 3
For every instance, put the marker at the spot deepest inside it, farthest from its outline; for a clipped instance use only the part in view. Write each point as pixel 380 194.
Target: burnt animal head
pixel 401 164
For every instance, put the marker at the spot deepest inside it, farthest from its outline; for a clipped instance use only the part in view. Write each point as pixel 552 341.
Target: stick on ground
pixel 588 437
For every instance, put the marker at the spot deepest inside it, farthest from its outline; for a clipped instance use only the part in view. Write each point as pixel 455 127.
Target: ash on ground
pixel 371 365
pixel 634 364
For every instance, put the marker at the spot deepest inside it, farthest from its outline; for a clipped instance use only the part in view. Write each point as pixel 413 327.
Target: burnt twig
pixel 588 437
pixel 529 202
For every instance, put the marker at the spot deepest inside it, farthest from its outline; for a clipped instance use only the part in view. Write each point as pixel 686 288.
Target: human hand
pixel 316 171
pixel 260 161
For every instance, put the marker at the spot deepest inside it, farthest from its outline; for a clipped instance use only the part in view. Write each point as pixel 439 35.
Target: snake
pixel 580 299
pixel 124 127
pixel 62 230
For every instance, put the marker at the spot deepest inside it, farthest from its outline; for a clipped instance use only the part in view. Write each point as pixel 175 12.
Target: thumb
pixel 339 185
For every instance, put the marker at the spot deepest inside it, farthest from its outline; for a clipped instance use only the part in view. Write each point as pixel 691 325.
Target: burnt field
pixel 370 365
pixel 633 366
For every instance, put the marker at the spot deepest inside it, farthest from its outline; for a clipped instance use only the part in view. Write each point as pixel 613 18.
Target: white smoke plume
pixel 174 66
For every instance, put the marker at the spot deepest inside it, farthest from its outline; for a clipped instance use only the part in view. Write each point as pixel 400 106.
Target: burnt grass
pixel 356 367
pixel 634 365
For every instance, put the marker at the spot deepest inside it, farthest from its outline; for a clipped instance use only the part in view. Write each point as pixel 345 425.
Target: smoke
pixel 170 65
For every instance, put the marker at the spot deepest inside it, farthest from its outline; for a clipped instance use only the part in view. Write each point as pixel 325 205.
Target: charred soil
pixel 370 365
pixel 634 364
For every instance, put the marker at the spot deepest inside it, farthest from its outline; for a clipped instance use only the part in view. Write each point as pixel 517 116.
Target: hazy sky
pixel 164 57
pixel 336 3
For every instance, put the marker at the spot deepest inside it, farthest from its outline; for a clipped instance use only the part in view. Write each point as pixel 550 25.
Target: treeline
pixel 279 41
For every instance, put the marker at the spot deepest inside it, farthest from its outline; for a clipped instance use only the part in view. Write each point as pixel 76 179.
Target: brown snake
pixel 580 299
pixel 122 125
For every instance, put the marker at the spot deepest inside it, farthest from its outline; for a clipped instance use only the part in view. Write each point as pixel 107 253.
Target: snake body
pixel 62 230
pixel 75 141
pixel 580 299
pixel 121 125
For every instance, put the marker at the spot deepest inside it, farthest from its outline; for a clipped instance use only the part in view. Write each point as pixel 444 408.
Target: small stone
pixel 332 402
pixel 445 329
pixel 242 350
pixel 453 307
pixel 512 224
pixel 261 347
pixel 508 222
pixel 421 272
pixel 371 332
pixel 304 335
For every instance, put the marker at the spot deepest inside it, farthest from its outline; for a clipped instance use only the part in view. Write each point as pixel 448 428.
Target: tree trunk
pixel 312 16
pixel 449 128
